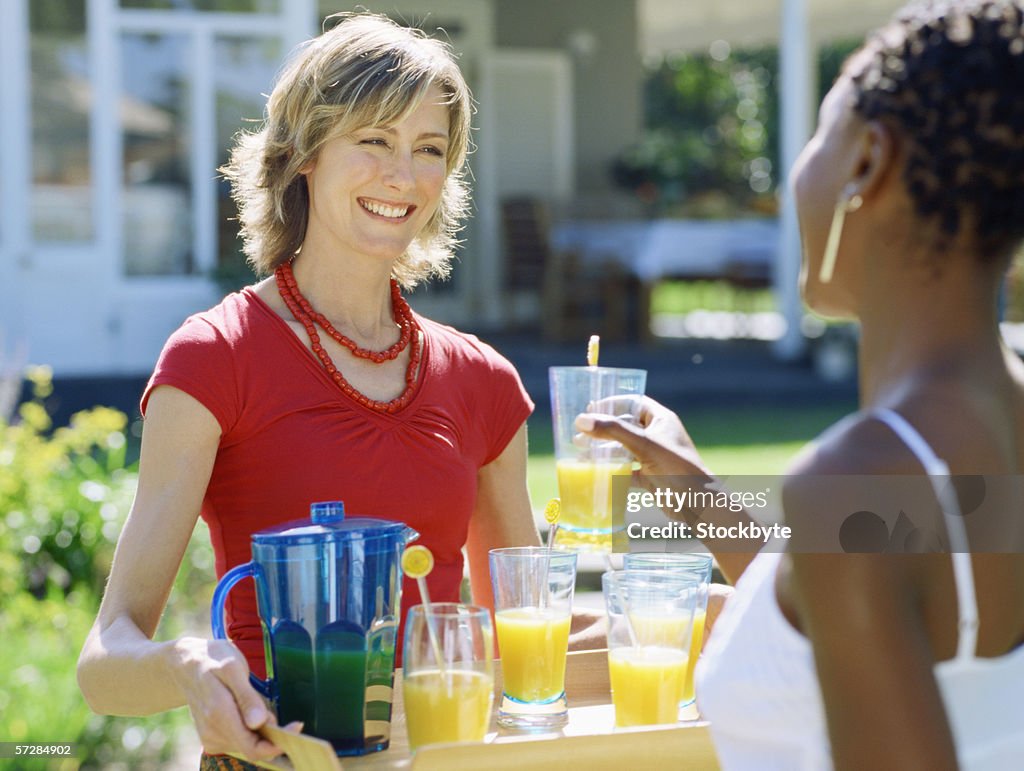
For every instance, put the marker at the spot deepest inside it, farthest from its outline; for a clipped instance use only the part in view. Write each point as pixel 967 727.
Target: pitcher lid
pixel 327 524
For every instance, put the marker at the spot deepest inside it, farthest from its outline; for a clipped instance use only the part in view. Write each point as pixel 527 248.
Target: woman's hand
pixel 664 448
pixel 227 711
pixel 659 441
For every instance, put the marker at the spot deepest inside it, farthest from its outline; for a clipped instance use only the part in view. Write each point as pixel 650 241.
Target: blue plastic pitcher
pixel 328 591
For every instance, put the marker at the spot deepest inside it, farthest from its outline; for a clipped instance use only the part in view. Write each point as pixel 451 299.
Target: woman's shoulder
pixel 837 493
pixel 462 346
pixel 202 356
pixel 234 308
pixel 226 321
pixel 860 443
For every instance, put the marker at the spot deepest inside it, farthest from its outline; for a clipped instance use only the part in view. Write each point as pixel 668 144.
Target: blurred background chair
pixel 576 298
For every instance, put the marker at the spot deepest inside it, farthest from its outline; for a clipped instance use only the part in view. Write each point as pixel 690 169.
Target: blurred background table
pixel 652 250
pixel 637 254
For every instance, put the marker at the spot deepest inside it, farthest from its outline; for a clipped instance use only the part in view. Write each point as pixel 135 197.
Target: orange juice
pixel 695 644
pixel 453 707
pixel 533 643
pixel 647 682
pixel 585 487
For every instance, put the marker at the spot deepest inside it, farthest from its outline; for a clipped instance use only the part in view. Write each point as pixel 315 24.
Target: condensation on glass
pixel 61 100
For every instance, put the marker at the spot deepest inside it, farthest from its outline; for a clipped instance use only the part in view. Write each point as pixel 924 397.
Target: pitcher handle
pixel 220 596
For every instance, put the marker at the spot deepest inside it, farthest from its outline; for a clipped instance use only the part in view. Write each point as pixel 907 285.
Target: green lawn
pixel 680 297
pixel 732 440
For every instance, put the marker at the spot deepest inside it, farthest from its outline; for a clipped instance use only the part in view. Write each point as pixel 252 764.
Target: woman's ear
pixel 876 162
pixel 307 167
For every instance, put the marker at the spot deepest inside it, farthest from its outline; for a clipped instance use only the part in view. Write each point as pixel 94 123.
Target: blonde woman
pixel 319 382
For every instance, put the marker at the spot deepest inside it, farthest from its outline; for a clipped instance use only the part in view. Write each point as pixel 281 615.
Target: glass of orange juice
pixel 650 629
pixel 533 590
pixel 447 700
pixel 588 468
pixel 690 564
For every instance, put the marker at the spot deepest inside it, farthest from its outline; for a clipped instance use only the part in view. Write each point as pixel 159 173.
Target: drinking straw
pixel 417 562
pixel 551 514
pixel 593 349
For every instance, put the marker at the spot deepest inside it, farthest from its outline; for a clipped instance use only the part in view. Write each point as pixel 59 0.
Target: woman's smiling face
pixel 373 190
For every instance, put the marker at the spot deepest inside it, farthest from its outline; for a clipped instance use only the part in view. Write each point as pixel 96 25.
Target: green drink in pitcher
pixel 328 592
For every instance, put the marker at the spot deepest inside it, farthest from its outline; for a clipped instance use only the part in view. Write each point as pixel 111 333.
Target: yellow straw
pixel 593 349
pixel 551 513
pixel 417 562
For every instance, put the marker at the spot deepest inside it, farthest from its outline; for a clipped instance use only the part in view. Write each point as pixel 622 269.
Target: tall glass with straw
pixel 587 468
pixel 447 664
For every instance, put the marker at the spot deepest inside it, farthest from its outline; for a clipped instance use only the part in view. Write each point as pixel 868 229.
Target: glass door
pixel 191 75
pixel 15 171
pixel 186 76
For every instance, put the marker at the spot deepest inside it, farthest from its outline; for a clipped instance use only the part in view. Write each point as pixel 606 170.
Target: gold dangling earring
pixel 845 204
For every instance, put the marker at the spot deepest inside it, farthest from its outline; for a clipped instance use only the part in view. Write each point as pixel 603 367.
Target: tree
pixel 713 128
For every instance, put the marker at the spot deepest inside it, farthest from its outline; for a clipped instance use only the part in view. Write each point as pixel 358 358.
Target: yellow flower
pixel 41 378
pixel 33 415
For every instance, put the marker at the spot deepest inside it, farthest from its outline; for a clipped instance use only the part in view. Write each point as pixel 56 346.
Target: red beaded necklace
pixel 309 318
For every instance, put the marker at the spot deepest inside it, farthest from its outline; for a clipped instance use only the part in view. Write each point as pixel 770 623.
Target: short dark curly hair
pixel 948 77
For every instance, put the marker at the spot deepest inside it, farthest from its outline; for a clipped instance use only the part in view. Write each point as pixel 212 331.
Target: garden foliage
pixel 64 495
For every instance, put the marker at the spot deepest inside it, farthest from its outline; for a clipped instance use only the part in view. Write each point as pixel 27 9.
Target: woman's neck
pixel 917 330
pixel 355 295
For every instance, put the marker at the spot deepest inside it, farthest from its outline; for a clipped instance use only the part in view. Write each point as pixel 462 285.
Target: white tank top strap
pixel 945 492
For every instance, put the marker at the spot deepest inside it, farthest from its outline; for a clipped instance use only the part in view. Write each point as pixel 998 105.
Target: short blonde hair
pixel 365 71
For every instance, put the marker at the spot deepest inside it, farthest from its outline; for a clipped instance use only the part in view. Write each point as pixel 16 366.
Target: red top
pixel 290 437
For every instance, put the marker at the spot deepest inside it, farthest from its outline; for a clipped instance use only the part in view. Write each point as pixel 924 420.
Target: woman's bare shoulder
pixel 846 491
pixel 857 444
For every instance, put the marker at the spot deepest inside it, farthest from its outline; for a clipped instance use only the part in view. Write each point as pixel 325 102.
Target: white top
pixel 757 684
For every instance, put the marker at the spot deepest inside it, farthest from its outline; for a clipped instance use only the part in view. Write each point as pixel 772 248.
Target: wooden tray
pixel 589 740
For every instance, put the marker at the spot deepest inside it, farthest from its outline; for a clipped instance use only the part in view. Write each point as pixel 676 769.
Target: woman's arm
pixel 503 515
pixel 122 670
pixel 874 661
pixel 863 612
